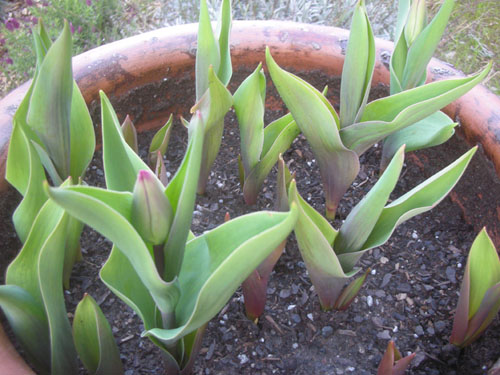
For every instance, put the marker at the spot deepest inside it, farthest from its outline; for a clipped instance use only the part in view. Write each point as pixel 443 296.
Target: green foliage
pixel 415 43
pixel 213 72
pixel 94 339
pixel 174 282
pixel 92 23
pixel 260 147
pixel 479 300
pixel 330 255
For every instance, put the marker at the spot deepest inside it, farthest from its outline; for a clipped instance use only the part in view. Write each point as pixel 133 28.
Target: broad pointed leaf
pixel 315 237
pixel 223 33
pixel 121 163
pixel 34 197
pixel 422 49
pixel 384 116
pixel 418 200
pixel 218 261
pixel 338 165
pixel 28 321
pixel 249 105
pixel 358 67
pixel 94 339
pixel 111 224
pixel 50 103
pixel 431 131
pixel 207 51
pixel 181 192
pixel 82 135
pixel 364 216
pixel 130 289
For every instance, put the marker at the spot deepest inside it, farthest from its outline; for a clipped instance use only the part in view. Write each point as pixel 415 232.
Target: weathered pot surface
pixel 142 64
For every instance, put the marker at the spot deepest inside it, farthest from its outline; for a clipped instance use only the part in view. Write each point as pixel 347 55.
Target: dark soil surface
pixel 409 296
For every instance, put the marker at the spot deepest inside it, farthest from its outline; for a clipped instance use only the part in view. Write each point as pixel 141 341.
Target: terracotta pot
pixel 142 66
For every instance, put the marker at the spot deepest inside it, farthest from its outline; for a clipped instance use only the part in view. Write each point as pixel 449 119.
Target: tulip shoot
pixel 393 363
pixel 94 339
pixel 479 300
pixel 260 147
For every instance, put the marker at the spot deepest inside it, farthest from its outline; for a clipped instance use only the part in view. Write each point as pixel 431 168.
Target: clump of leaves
pixel 52 133
pixel 337 142
pixel 416 42
pixel 175 282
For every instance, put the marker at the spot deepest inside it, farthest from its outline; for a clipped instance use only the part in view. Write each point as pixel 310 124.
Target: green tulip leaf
pixel 28 321
pixel 479 299
pixel 50 103
pixel 484 270
pixel 101 216
pixel 213 106
pixel 129 289
pixel 431 131
pixel 350 292
pixel 207 51
pixel 316 118
pixel 418 200
pixel 249 105
pixel 19 157
pixel 358 67
pixel 223 32
pixel 360 222
pixel 159 144
pixel 281 143
pixel 181 192
pixel 422 49
pixel 38 269
pixel 315 237
pixel 121 163
pixel 34 197
pixel 384 116
pixel 218 261
pixel 94 339
pixel 484 316
pixel 82 135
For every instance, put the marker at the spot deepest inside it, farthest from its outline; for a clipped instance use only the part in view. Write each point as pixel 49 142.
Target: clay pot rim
pixel 132 62
pixel 120 66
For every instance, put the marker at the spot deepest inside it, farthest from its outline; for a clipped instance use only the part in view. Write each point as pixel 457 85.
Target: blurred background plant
pixel 470 40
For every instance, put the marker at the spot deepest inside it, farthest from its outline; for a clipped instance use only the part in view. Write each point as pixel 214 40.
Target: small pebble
pixel 326 331
pixel 369 301
pixel 419 330
pixel 384 335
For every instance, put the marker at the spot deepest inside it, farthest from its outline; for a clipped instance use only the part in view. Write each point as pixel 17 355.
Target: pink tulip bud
pixel 151 210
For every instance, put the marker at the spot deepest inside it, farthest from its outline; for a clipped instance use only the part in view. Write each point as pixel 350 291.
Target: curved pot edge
pixel 120 66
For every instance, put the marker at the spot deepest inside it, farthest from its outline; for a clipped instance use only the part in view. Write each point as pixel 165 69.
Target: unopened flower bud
pixel 416 21
pixel 151 210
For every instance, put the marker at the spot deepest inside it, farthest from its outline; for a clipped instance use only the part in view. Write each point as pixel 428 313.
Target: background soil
pixel 409 296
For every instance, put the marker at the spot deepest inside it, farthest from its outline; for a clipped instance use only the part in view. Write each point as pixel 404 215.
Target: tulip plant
pixel 479 300
pixel 392 362
pixel 52 133
pixel 330 255
pixel 260 147
pixel 416 41
pixel 213 72
pixel 337 142
pixel 175 282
